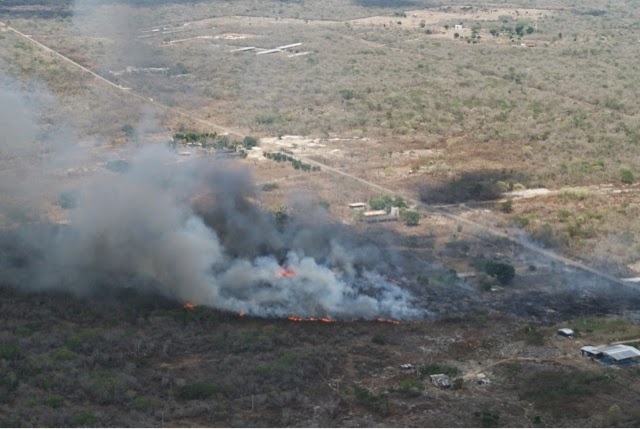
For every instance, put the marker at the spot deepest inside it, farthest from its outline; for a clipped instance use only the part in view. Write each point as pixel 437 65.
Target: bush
pixel 379 339
pixel 385 202
pixel 63 353
pixel 74 343
pixel 200 390
pixel 411 217
pixel 626 176
pixel 53 401
pixel 142 403
pixel 84 419
pixel 488 419
pixel 8 351
pixel 267 187
pixel 506 206
pixel 532 336
pixel 68 199
pixel 249 142
pixel 554 390
pixel 411 387
pixel 377 403
pixel 520 221
pixel 439 368
pixel 502 271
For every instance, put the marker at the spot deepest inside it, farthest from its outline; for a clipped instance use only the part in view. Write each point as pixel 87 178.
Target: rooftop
pixel 620 352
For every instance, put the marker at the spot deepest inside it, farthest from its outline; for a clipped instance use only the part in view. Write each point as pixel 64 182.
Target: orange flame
pixel 295 318
pixel 285 272
pixel 189 306
pixel 242 314
pixel 381 320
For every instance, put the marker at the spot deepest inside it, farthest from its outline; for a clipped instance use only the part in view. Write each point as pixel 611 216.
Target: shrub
pixel 626 176
pixel 200 390
pixel 142 403
pixel 439 368
pixel 385 202
pixel 520 221
pixel 267 187
pixel 502 271
pixel 532 336
pixel 74 343
pixel 553 390
pixel 411 387
pixel 411 217
pixel 68 199
pixel 84 419
pixel 488 419
pixel 249 142
pixel 506 206
pixel 379 339
pixel 118 166
pixel 8 351
pixel 63 354
pixel 53 401
pixel 377 403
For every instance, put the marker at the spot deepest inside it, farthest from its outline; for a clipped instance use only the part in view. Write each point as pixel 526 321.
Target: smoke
pixel 193 231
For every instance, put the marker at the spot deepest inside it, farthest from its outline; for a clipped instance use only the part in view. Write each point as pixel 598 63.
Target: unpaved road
pixel 431 209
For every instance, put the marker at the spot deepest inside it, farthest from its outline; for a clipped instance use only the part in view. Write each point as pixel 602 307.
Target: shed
pixel 406 366
pixel 458 27
pixel 356 206
pixel 621 353
pixel 566 332
pixel 441 380
pixel 590 351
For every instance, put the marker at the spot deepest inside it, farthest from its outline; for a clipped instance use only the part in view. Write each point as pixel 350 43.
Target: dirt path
pixel 125 90
pixel 434 210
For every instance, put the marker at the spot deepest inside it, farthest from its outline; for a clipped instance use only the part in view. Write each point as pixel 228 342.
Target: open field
pixel 510 137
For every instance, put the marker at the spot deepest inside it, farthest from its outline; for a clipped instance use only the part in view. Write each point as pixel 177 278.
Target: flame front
pixel 285 272
pixel 325 319
pixel 382 320
pixel 189 306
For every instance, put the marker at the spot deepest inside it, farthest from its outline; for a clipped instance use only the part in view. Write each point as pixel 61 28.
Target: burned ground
pixel 139 359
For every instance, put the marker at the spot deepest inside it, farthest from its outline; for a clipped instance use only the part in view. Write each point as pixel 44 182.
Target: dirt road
pixel 485 228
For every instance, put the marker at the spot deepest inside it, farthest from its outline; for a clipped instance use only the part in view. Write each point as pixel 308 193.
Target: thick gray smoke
pixel 192 231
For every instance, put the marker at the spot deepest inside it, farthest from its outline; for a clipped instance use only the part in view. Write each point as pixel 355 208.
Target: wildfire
pixel 242 314
pixel 381 320
pixel 295 318
pixel 285 272
pixel 189 306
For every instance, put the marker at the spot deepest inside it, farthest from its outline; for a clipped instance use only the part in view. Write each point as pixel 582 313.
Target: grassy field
pixel 537 96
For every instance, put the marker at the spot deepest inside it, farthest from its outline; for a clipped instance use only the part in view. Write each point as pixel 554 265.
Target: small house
pixel 382 215
pixel 358 206
pixel 441 380
pixel 406 367
pixel 458 27
pixel 565 332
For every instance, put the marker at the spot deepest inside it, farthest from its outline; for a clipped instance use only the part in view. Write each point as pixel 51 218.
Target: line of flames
pixel 189 306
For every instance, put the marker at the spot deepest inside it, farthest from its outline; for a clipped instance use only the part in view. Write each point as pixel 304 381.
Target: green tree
pixel 411 217
pixel 502 271
pixel 456 35
pixel 446 26
pixel 249 142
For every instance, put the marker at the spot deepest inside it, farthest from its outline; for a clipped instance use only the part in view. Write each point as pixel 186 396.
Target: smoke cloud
pixel 193 231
